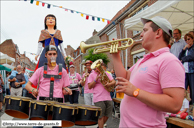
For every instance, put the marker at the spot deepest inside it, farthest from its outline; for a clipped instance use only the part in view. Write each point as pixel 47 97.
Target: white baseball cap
pixel 71 66
pixel 161 22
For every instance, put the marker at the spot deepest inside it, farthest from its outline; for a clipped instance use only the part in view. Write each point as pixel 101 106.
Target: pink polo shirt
pixel 44 86
pixel 99 92
pixel 86 89
pixel 154 72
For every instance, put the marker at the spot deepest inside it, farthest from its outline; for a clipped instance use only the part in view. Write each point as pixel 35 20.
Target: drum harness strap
pixel 52 78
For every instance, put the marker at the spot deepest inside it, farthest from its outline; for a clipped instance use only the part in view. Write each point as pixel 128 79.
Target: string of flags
pixel 44 4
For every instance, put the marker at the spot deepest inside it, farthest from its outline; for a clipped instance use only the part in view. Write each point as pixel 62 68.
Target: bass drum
pixel 40 109
pixel 64 112
pixel 87 115
pixel 17 106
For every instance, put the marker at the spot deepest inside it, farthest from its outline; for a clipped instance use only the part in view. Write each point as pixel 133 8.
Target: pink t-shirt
pixel 44 86
pixel 74 79
pixel 99 92
pixel 154 72
pixel 86 89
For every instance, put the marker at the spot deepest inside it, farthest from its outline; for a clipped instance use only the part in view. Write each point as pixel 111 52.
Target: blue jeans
pixel 74 97
pixel 189 81
pixel 24 92
pixel 7 91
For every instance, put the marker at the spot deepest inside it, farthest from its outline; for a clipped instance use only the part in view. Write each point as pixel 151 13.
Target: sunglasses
pixel 54 54
pixel 187 39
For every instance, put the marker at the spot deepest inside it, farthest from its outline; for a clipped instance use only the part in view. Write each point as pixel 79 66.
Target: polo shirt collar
pixel 158 52
pixel 56 67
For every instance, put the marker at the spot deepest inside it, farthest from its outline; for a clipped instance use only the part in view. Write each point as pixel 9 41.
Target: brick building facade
pixel 12 50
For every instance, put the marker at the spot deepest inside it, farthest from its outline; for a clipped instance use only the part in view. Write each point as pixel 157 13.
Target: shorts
pixel 1 97
pixel 106 107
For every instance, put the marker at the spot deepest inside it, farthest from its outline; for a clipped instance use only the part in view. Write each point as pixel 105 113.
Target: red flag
pixel 66 9
pixel 87 17
pixel 43 4
pixel 108 21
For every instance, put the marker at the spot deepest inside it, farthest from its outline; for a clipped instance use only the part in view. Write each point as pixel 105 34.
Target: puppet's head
pixel 48 16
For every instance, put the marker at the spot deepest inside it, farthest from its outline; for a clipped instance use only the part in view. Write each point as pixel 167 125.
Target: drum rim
pixel 83 106
pixel 62 105
pixel 17 98
pixel 40 102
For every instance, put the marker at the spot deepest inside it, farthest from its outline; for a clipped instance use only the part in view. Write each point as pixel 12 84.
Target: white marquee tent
pixel 180 13
pixel 4 58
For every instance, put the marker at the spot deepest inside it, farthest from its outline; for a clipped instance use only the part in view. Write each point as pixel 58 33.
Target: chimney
pixel 94 32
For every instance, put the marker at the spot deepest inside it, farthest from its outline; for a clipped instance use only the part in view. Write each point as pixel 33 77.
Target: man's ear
pixel 159 33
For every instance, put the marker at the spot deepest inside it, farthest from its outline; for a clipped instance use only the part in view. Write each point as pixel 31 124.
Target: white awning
pixel 178 12
pixel 9 66
pixel 4 58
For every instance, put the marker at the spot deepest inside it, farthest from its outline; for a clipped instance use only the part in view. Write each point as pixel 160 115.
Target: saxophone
pixel 104 78
pixel 85 76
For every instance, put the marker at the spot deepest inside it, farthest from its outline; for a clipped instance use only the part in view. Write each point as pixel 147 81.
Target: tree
pixel 94 57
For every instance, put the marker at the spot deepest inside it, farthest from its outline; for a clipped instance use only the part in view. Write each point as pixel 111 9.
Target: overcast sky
pixel 22 21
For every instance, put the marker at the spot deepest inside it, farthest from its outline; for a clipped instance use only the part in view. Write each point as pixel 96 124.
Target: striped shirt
pixel 177 47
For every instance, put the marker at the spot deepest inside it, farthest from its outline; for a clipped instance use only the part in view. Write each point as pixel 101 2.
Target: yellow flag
pixel 102 20
pixel 37 3
pixel 60 6
pixel 82 14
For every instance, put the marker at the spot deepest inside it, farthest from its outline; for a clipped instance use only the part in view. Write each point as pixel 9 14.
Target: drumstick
pixel 65 89
pixel 38 83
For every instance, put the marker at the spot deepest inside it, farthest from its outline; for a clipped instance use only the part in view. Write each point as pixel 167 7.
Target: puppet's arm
pixel 62 50
pixel 38 50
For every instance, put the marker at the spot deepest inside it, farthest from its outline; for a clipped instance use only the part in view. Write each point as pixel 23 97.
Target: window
pixel 137 56
pixel 112 34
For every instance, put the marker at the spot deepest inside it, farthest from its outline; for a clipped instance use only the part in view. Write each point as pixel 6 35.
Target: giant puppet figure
pixel 50 36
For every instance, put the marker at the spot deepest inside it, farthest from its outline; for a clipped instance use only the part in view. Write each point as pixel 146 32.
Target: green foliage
pixel 94 57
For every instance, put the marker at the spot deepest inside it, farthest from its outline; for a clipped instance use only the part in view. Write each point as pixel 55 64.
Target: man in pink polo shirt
pixel 60 85
pixel 101 97
pixel 155 84
pixel 88 93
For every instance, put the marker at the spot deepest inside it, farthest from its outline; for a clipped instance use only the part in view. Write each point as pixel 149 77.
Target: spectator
pixel 192 33
pixel 179 43
pixel 16 87
pixel 187 58
pixel 112 93
pixel 1 92
pixel 7 84
pixel 24 85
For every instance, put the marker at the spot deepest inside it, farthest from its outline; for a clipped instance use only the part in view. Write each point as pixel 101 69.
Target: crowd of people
pixel 158 83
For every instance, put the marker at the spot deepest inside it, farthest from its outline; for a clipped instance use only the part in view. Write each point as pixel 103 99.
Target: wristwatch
pixel 136 92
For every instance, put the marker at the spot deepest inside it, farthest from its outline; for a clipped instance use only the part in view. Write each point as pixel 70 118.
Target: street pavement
pixel 112 122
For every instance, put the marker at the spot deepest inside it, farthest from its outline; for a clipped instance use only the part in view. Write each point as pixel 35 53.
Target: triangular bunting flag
pixel 108 21
pixel 48 6
pixel 113 23
pixel 37 3
pixel 98 18
pixel 71 11
pixel 77 12
pixel 43 4
pixel 102 20
pixel 82 14
pixel 66 9
pixel 93 18
pixel 31 1
pixel 60 6
pixel 87 17
pixel 54 6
